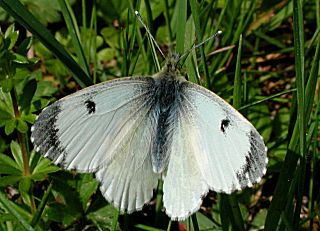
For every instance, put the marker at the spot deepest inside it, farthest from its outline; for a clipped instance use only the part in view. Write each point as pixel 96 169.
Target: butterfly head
pixel 172 65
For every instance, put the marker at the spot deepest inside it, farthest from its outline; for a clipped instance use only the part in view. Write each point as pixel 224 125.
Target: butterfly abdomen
pixel 166 95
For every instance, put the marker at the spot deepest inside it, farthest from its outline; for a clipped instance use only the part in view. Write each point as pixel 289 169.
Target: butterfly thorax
pixel 167 90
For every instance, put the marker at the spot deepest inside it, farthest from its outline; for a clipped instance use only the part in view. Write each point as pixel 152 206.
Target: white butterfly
pixel 133 131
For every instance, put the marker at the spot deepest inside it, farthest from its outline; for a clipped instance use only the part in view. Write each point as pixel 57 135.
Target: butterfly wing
pixel 107 129
pixel 129 179
pixel 184 185
pixel 214 147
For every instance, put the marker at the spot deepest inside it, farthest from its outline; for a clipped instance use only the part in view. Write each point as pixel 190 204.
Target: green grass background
pixel 265 63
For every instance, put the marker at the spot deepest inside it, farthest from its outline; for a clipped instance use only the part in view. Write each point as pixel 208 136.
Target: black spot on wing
pixel 45 133
pixel 91 106
pixel 255 161
pixel 224 124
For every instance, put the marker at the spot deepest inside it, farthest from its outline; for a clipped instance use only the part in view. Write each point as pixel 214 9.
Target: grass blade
pixel 266 99
pixel 93 40
pixel 196 18
pixel 115 220
pixel 299 67
pixel 43 202
pixel 237 80
pixel 168 19
pixel 229 206
pixel 298 33
pixel 236 218
pixel 180 25
pixel 195 222
pixel 149 16
pixel 290 162
pixel 74 32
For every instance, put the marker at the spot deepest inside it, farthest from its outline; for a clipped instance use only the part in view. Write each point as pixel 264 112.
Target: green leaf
pixel 43 167
pixel 12 36
pixel 28 92
pixel 25 18
pixel 6 103
pixel 9 180
pixel 39 104
pixel 10 125
pixel 24 189
pixel 111 36
pixel 9 31
pixel 6 85
pixel 25 184
pixel 63 214
pixel 87 187
pixel 21 74
pixel 23 60
pixel 4 115
pixel 34 60
pixel 25 46
pixel 2 44
pixel 70 208
pixel 30 118
pixel 204 222
pixel 8 166
pixel 46 11
pixel 106 54
pixel 20 59
pixel 259 219
pixel 22 126
pixel 45 88
pixel 12 209
pixel 102 217
pixel 65 186
pixel 17 154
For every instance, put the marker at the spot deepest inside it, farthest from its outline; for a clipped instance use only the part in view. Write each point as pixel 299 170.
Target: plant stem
pixel 21 137
pixel 23 145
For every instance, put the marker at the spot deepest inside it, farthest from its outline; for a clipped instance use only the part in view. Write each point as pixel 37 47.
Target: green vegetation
pixel 265 63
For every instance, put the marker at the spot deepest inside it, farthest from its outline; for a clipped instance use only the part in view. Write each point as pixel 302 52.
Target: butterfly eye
pixel 91 106
pixel 224 124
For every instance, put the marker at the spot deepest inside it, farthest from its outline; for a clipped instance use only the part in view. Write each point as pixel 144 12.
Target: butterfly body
pixel 133 131
pixel 166 92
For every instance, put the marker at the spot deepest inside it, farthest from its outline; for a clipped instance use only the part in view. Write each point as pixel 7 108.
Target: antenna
pixel 148 31
pixel 219 32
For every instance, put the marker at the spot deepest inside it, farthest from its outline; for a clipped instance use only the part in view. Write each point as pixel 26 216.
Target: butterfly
pixel 133 131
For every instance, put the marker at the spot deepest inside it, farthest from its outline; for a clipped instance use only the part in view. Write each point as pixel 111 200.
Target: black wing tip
pixel 256 161
pixel 44 135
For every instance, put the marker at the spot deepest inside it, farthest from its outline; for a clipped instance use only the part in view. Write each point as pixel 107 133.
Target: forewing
pixel 82 130
pixel 229 151
pixel 108 129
